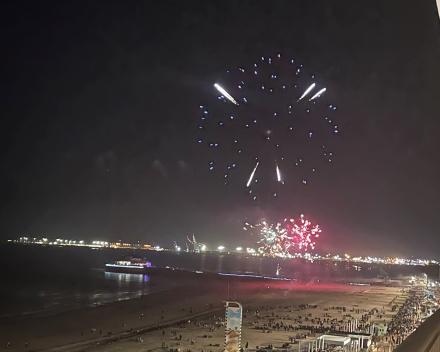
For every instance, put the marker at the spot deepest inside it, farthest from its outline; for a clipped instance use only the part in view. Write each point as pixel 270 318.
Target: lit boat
pixel 132 265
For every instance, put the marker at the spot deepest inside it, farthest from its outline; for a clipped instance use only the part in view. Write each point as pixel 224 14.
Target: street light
pixel 220 248
pixel 238 249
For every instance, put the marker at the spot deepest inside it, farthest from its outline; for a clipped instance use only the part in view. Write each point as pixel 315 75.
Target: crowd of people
pixel 407 318
pixel 311 325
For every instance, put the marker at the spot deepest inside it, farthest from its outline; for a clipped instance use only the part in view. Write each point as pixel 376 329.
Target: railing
pixel 425 339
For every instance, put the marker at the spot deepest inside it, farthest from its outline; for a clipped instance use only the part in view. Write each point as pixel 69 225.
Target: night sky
pixel 99 108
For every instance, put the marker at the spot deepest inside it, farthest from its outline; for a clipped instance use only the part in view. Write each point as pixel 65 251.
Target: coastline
pixel 74 326
pixel 66 308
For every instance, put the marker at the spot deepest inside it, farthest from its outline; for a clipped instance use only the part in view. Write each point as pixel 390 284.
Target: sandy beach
pixel 202 334
pixel 73 330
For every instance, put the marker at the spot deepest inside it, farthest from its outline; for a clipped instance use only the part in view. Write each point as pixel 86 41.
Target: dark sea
pixel 51 297
pixel 41 281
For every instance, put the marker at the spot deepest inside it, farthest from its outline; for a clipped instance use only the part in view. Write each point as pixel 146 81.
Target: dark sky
pixel 93 86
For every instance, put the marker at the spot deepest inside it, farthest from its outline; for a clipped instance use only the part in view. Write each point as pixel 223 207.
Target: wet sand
pixel 71 330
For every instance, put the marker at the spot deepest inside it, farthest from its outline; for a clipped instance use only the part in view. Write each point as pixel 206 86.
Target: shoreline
pixel 40 313
pixel 75 326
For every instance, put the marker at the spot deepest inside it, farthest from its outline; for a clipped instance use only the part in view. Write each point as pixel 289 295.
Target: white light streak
pixel 278 172
pixel 306 92
pixel 252 174
pixel 225 93
pixel 318 94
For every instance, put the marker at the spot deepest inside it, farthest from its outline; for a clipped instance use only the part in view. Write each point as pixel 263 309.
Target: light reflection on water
pixel 123 286
pixel 105 288
pixel 125 280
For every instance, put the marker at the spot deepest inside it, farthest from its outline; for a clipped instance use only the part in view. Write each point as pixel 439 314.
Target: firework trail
pixel 318 94
pixel 308 90
pixel 278 172
pixel 226 94
pixel 252 175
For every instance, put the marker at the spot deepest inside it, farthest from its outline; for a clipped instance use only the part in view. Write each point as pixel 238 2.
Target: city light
pixel 61 242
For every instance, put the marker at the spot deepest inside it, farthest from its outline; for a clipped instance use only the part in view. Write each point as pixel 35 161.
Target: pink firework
pixel 303 233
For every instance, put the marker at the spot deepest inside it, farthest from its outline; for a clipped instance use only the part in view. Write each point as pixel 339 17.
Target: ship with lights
pixel 129 266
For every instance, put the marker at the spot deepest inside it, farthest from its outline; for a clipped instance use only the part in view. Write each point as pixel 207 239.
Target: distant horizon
pixel 233 250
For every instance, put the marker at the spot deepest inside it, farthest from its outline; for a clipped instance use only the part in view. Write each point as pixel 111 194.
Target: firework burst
pixel 267 126
pixel 285 239
pixel 303 232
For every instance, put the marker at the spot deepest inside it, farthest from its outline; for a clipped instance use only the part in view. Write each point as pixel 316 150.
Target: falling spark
pixel 306 92
pixel 278 172
pixel 226 94
pixel 252 174
pixel 318 94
